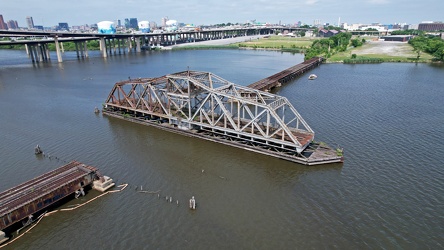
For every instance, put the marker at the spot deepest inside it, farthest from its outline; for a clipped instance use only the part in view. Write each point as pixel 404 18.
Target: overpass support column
pixel 48 57
pixel 103 46
pixel 77 49
pixel 85 48
pixel 27 50
pixel 40 52
pixel 31 52
pixel 123 45
pixel 110 46
pixel 59 54
pixel 36 53
pixel 114 45
pixel 137 40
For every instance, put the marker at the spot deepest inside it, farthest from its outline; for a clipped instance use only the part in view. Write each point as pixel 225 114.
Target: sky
pixel 78 12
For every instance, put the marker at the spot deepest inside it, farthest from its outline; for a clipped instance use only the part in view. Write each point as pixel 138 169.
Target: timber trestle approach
pixel 286 75
pixel 203 105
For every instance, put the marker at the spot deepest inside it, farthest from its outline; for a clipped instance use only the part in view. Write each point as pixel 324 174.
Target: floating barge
pixel 203 105
pixel 20 203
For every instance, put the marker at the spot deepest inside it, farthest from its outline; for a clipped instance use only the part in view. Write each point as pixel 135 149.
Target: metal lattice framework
pixel 203 102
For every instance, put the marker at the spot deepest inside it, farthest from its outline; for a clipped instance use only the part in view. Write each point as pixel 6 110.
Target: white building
pixel 106 27
pixel 144 26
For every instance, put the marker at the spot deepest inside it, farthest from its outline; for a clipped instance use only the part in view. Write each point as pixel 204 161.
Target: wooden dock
pixel 286 75
pixel 31 197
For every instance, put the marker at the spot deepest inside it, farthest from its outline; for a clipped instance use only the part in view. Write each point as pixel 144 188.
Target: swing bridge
pixel 204 105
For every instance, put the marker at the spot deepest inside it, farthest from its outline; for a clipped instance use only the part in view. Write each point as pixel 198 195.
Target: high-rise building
pixel 12 24
pixel 30 22
pixel 431 26
pixel 3 25
pixel 153 25
pixel 63 26
pixel 164 20
pixel 133 23
pixel 127 23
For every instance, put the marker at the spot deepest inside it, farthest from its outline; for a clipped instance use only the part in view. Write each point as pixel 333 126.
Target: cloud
pixel 311 2
pixel 378 1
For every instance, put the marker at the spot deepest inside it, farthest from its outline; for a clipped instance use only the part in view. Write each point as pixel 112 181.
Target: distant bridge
pixel 121 43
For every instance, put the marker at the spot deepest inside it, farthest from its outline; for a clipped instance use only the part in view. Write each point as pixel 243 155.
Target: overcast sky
pixel 77 12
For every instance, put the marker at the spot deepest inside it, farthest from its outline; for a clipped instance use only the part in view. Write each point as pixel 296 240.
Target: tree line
pixel 432 45
pixel 332 45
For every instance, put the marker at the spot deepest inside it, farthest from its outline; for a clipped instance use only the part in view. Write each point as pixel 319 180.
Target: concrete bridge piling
pixel 117 43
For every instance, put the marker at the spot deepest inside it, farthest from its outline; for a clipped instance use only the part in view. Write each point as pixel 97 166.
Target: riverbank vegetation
pixel 429 44
pixel 70 46
pixel 287 44
pixel 362 59
pixel 67 46
pixel 342 47
pixel 329 46
pixel 375 50
pixel 196 47
pixel 273 42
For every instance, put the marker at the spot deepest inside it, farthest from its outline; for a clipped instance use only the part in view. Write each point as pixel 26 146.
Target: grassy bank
pixel 280 43
pixel 195 47
pixel 383 51
pixel 286 44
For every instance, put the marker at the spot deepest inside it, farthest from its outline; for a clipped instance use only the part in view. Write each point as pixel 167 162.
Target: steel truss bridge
pixel 206 105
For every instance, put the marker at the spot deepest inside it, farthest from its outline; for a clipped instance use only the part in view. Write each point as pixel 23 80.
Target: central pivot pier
pixel 204 105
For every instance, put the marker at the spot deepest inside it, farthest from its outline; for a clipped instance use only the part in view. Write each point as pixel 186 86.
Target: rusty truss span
pixel 204 105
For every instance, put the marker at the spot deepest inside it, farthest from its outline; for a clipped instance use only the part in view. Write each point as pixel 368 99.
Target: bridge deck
pixel 29 197
pixel 286 75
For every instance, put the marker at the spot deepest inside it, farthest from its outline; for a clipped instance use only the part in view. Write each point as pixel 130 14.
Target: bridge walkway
pixel 286 75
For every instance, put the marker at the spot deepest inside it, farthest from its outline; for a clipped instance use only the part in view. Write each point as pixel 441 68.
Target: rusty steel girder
pixel 204 102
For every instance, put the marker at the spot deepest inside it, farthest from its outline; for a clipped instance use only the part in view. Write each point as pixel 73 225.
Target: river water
pixel 389 193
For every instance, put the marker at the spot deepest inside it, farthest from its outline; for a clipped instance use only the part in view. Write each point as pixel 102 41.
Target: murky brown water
pixel 387 194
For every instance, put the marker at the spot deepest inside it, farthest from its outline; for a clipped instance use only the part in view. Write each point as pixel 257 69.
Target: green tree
pixel 419 49
pixel 431 45
pixel 328 46
pixel 355 42
pixel 439 53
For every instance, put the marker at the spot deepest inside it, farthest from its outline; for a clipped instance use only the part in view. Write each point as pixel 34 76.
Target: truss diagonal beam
pixel 205 102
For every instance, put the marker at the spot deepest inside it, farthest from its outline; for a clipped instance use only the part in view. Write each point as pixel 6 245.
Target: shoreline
pixel 387 52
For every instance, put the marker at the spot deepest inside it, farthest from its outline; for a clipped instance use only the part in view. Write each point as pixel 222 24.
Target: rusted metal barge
pixel 21 202
pixel 203 105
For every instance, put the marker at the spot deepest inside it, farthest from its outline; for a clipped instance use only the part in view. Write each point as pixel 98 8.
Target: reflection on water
pixel 387 194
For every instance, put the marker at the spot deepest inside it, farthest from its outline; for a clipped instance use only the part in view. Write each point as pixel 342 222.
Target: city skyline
pixel 215 12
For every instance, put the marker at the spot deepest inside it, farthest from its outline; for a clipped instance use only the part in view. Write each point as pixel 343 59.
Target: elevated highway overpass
pixel 119 43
